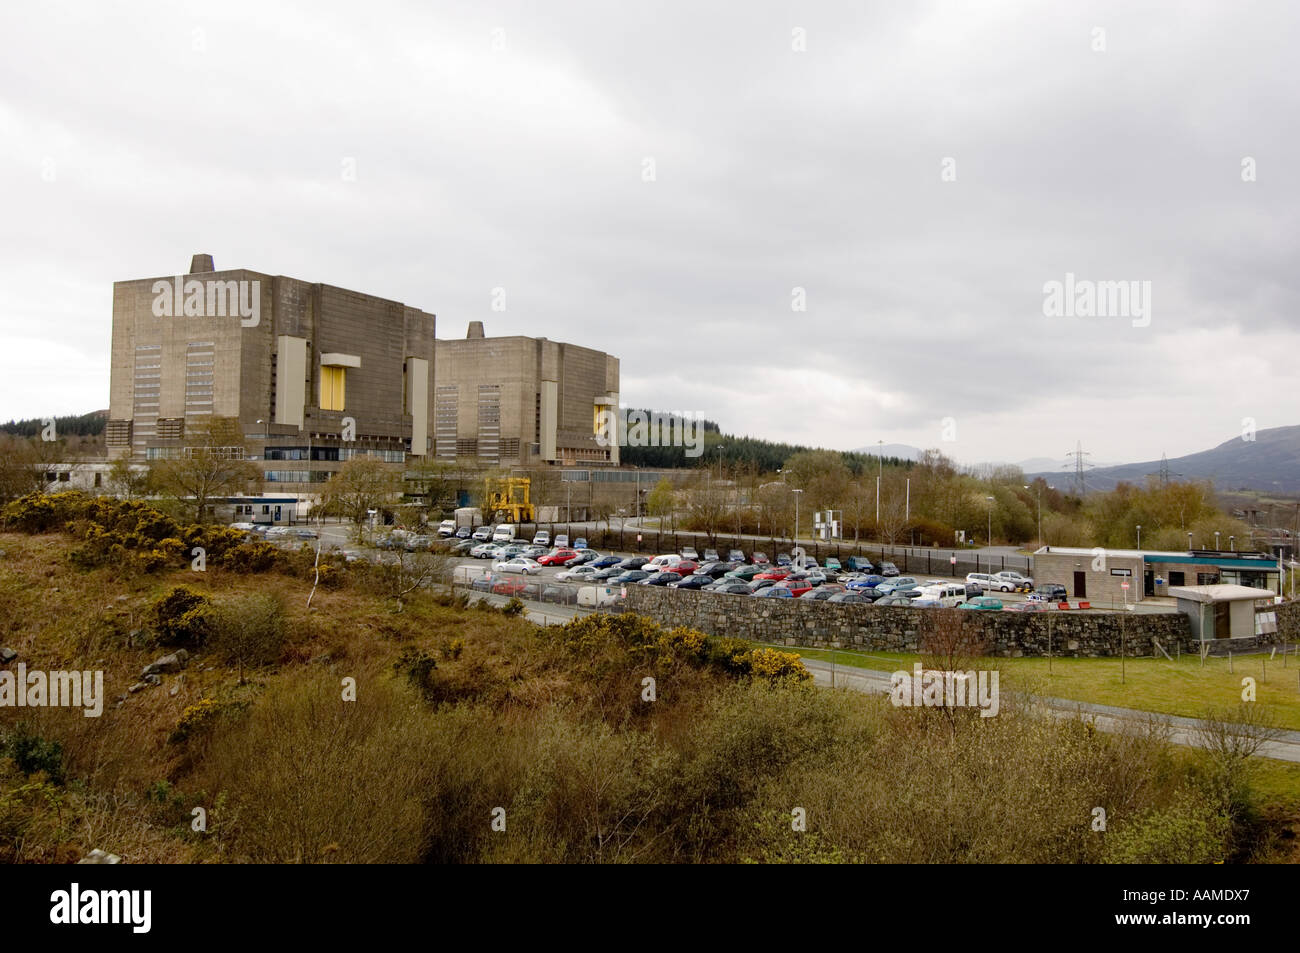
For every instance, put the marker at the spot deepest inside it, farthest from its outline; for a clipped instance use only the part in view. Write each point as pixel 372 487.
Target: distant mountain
pixel 1270 462
pixel 900 450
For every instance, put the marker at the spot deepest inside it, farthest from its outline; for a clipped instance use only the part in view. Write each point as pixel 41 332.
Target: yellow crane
pixel 508 499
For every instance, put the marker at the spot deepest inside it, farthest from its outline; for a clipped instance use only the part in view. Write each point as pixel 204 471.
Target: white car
pixel 246 527
pixel 1009 581
pixel 689 552
pixel 986 581
pixel 543 538
pixel 486 551
pixel 520 564
pixel 576 574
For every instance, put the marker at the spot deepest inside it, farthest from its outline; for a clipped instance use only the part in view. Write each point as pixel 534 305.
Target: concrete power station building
pixel 521 401
pixel 315 375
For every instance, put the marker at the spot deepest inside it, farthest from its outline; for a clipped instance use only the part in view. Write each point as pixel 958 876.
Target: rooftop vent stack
pixel 201 264
pixel 475 330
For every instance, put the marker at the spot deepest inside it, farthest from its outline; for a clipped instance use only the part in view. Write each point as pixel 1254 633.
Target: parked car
pixel 300 532
pixel 415 544
pixel 775 573
pixel 542 537
pixel 870 581
pixel 688 552
pixel 1017 582
pixel 833 563
pixel 744 573
pixel 604 562
pixel 796 587
pixel 558 557
pixel 985 603
pixel 246 527
pixel 562 541
pixel 716 569
pixel 729 587
pixel 859 564
pixel 854 597
pixel 894 599
pixel 585 556
pixel 896 584
pixel 630 576
pixel 1049 592
pixel 693 581
pixel 821 593
pixel 736 556
pixel 661 578
pixel 577 574
pixel 509 587
pixel 946 594
pixel 463 546
pixel 888 569
pixel 447 528
pixel 464 533
pixel 710 555
pixel 486 551
pixel 483 534
pixel 351 555
pixel 758 584
pixel 1030 606
pixel 774 592
pixel 985 580
pixel 532 552
pixel 580 543
pixel 760 559
pixel 519 564
pixel 686 567
pixel 783 559
pixel 608 574
pixel 634 562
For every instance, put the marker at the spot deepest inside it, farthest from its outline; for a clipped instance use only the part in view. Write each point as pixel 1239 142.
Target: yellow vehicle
pixel 507 499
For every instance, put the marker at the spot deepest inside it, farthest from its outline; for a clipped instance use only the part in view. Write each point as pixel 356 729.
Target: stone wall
pixel 901 629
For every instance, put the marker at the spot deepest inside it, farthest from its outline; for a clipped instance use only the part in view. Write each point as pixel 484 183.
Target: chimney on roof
pixel 475 330
pixel 201 264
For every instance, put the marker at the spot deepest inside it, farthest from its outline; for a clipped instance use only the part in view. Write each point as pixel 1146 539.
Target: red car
pixel 776 572
pixel 560 557
pixel 797 587
pixel 685 568
pixel 509 587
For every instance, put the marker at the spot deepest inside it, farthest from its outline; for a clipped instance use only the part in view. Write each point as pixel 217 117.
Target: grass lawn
pixel 1184 687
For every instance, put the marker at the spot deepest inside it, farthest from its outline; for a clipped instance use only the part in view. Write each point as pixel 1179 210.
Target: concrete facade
pixel 314 374
pixel 521 401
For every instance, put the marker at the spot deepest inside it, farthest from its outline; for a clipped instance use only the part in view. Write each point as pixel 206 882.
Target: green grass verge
pixel 1182 687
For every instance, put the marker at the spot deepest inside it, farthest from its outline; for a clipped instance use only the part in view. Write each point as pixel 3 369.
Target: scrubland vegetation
pixel 467 720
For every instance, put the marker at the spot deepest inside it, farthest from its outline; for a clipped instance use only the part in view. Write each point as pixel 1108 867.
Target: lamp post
pixel 880 476
pixel 721 447
pixel 991 502
pixel 1189 542
pixel 1232 541
pixel 1216 542
pixel 796 516
pixel 1139 536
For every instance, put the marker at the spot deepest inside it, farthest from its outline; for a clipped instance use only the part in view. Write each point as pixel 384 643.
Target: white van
pixel 447 528
pixel 662 563
pixel 505 533
pixel 947 594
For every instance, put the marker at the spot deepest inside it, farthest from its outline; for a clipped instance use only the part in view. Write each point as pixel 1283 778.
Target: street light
pixel 1139 537
pixel 991 502
pixel 1216 542
pixel 880 476
pixel 796 516
pixel 1189 542
pixel 721 447
pixel 1232 541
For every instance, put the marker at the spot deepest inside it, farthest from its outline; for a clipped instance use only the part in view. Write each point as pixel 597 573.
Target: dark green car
pixel 745 573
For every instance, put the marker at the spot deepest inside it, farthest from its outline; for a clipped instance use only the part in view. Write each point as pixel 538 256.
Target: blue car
pixel 774 592
pixel 866 582
pixel 604 562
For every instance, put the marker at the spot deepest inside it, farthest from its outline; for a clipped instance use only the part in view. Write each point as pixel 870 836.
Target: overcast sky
pixel 502 145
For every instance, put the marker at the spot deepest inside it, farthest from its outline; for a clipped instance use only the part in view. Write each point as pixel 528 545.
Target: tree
pixel 249 631
pixel 25 463
pixel 362 484
pixel 212 463
pixel 662 499
pixel 127 482
pixel 822 475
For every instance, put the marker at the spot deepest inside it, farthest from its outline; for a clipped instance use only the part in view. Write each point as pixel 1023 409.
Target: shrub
pixel 255 557
pixel 32 753
pixel 513 608
pixel 248 631
pixel 196 719
pixel 182 617
pixel 777 666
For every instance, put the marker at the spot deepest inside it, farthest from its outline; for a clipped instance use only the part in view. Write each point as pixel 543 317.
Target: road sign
pixel 1123 585
pixel 638 537
pixel 953 560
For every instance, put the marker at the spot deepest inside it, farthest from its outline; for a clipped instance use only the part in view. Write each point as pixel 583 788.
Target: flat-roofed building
pixel 1130 575
pixel 521 401
pixel 314 374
